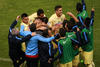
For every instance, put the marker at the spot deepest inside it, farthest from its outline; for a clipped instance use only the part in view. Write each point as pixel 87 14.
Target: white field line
pixel 5 59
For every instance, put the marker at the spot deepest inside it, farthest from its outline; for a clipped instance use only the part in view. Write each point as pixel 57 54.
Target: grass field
pixel 9 9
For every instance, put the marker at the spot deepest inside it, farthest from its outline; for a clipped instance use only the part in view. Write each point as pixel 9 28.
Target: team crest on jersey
pixel 70 35
pixel 64 42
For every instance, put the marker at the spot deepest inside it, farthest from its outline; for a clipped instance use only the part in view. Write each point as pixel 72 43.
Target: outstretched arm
pixel 43 39
pixel 26 38
pixel 72 15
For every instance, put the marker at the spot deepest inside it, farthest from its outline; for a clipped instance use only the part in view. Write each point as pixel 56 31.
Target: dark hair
pixel 40 11
pixel 87 21
pixel 72 20
pixel 45 32
pixel 79 7
pixel 45 19
pixel 62 32
pixel 70 25
pixel 57 7
pixel 32 27
pixel 64 23
pixel 24 15
pixel 38 18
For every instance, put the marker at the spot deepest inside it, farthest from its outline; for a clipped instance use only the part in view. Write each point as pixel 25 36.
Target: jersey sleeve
pixel 84 5
pixel 43 39
pixel 12 25
pixel 92 18
pixel 24 39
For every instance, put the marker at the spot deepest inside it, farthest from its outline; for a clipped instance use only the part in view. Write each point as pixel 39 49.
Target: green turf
pixel 10 9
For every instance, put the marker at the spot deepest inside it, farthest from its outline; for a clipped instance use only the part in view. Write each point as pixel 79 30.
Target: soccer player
pixel 87 34
pixel 68 41
pixel 57 18
pixel 46 52
pixel 74 21
pixel 81 9
pixel 25 21
pixel 39 13
pixel 15 52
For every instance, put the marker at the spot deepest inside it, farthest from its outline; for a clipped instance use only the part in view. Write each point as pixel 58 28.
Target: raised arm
pixel 72 15
pixel 84 5
pixel 92 17
pixel 14 23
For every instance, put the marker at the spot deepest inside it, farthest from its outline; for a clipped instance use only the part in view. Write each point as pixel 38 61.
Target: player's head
pixel 40 13
pixel 58 10
pixel 79 7
pixel 44 20
pixel 32 27
pixel 87 22
pixel 15 31
pixel 24 18
pixel 45 32
pixel 70 25
pixel 72 21
pixel 64 24
pixel 62 32
pixel 37 20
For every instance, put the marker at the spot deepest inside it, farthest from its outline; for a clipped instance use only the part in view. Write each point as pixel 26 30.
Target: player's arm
pixel 85 38
pixel 78 35
pixel 72 15
pixel 92 17
pixel 43 39
pixel 84 5
pixel 14 23
pixel 81 22
pixel 26 38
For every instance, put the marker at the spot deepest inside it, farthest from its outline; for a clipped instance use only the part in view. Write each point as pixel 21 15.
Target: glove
pixel 57 36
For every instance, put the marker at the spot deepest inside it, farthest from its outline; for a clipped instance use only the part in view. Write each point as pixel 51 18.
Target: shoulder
pixel 63 15
pixel 52 16
pixel 23 24
pixel 33 15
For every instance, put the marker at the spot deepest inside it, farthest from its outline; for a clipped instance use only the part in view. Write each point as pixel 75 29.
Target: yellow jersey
pixel 54 19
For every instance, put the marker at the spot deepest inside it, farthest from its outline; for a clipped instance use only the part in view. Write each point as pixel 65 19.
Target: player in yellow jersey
pixel 39 13
pixel 57 18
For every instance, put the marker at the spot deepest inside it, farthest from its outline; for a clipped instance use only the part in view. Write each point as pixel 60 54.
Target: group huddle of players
pixel 68 42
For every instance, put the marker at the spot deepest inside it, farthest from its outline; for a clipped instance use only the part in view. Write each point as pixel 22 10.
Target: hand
pixel 69 13
pixel 78 29
pixel 93 9
pixel 57 36
pixel 17 18
pixel 49 61
pixel 33 33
